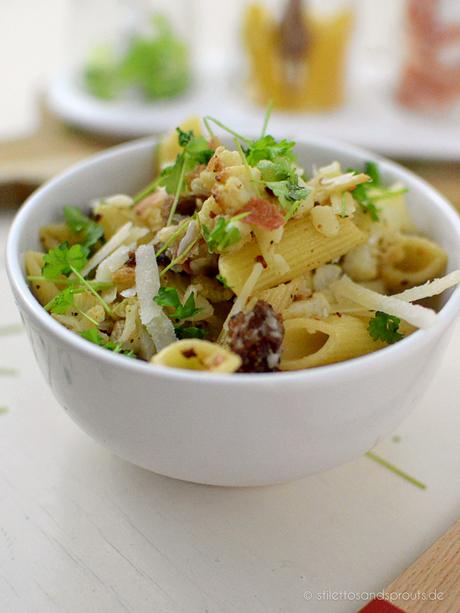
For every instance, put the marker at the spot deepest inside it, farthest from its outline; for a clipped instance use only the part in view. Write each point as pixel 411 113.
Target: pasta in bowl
pixel 210 421
pixel 259 265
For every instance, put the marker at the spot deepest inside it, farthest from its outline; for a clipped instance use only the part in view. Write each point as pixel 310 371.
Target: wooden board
pixel 27 162
pixel 435 575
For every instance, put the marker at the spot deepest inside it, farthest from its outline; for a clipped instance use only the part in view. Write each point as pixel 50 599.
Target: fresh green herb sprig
pixel 189 332
pixel 372 170
pixel 169 297
pixel 65 260
pixel 224 234
pixel 94 336
pixel 268 148
pixel 280 177
pixel 91 232
pixel 368 194
pixel 62 302
pixel 223 281
pixel 65 300
pixel 395 470
pixel 195 151
pixel 276 161
pixel 384 327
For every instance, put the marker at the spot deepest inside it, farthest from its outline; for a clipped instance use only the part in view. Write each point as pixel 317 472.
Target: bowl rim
pixel 346 369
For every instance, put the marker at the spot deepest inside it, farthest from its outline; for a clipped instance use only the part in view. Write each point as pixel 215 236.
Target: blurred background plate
pixel 370 117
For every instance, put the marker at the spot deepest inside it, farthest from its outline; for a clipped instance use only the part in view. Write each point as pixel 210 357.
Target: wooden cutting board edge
pixel 432 583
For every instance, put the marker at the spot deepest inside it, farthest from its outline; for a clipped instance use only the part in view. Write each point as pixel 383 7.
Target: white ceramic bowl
pixel 228 429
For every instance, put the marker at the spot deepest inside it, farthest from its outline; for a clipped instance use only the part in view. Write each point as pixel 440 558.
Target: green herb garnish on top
pixel 384 327
pixel 268 148
pixel 368 194
pixel 169 297
pixel 94 336
pixel 63 260
pixel 90 231
pixel 66 260
pixel 281 178
pixel 224 234
pixel 276 161
pixel 195 151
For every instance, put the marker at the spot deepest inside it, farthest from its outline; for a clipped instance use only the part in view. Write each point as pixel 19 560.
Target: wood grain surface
pixel 432 583
pixel 27 162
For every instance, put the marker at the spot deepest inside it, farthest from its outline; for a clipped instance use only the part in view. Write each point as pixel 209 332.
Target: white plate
pixel 370 118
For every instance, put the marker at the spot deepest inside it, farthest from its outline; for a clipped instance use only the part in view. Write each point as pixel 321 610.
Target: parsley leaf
pixel 223 281
pixel 289 193
pixel 281 178
pixel 184 137
pixel 372 169
pixel 171 177
pixel 278 170
pixel 94 336
pixel 224 234
pixel 169 297
pixel 267 148
pixel 63 259
pixel 189 332
pixel 384 327
pixel 79 222
pixel 368 194
pixel 62 302
pixel 195 150
pixel 361 195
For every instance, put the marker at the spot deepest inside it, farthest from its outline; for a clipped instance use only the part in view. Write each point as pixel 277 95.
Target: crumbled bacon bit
pixel 263 213
pixel 189 353
pixel 186 206
pixel 131 259
pixel 261 260
pixel 257 336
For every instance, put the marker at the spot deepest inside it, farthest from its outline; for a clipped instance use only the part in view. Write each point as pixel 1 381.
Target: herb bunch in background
pixel 157 65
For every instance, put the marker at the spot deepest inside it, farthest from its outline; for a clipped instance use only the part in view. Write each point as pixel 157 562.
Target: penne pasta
pixel 230 260
pixel 302 247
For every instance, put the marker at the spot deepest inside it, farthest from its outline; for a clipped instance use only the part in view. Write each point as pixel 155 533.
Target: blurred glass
pixel 296 51
pixel 430 77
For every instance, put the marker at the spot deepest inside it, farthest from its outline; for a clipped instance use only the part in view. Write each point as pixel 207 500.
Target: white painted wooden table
pixel 82 531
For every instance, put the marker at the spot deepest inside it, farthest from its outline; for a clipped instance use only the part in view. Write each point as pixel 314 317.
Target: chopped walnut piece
pixel 256 336
pixel 124 277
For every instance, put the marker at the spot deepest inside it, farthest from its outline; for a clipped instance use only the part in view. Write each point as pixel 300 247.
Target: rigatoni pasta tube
pixel 303 248
pixel 312 342
pixel 419 260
